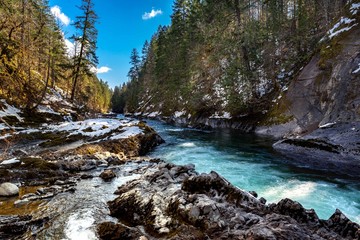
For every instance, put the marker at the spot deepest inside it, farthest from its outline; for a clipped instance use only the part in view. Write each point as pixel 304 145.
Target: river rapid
pixel 248 162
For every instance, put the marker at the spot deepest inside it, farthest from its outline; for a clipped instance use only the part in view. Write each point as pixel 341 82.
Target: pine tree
pixel 86 57
pixel 135 62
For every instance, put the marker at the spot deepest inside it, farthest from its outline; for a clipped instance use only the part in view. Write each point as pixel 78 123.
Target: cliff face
pixel 320 96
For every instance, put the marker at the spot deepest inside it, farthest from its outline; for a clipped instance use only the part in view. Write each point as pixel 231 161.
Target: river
pixel 246 160
pixel 249 163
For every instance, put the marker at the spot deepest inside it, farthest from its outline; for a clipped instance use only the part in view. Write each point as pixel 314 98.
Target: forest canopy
pixel 230 56
pixel 34 58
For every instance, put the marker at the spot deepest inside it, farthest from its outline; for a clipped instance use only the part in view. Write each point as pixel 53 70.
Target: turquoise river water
pixel 249 163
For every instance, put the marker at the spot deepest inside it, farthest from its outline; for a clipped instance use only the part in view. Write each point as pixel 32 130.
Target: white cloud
pixel 56 11
pixel 100 70
pixel 151 14
pixel 70 47
pixel 103 70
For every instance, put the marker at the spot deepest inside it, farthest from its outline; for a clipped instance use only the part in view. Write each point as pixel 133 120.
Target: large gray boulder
pixel 8 190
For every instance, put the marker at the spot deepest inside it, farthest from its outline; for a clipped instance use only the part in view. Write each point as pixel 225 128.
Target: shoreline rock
pixel 334 148
pixel 8 190
pixel 175 202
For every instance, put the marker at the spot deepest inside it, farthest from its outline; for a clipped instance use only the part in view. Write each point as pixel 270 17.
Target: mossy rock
pixel 33 118
pixel 58 141
pixel 146 128
pixel 277 114
pixel 38 163
pixel 88 149
pixel 11 120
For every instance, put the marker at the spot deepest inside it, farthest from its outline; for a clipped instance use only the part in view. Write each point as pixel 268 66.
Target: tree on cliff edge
pixel 85 56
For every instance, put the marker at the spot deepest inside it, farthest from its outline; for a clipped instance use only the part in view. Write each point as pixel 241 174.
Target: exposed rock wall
pixel 331 93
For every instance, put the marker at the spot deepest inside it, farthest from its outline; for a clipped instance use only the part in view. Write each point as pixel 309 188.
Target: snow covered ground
pixel 100 128
pixel 9 111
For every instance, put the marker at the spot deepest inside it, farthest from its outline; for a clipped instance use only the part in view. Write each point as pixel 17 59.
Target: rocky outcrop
pixel 334 148
pixel 174 202
pixel 59 171
pixel 11 226
pixel 326 90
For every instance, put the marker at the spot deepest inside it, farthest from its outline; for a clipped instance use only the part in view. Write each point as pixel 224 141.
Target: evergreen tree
pixel 85 57
pixel 135 62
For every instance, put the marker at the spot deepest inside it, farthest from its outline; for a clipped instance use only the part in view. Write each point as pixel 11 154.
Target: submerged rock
pixel 8 190
pixel 107 175
pixel 174 202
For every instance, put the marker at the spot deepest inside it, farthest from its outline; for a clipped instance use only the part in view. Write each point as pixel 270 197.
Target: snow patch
pixel 357 70
pixel 343 21
pixel 178 114
pixel 10 161
pixel 354 8
pixel 46 109
pixel 129 132
pixel 326 125
pixel 225 115
pixel 89 127
pixel 3 126
pixel 10 111
pixel 153 114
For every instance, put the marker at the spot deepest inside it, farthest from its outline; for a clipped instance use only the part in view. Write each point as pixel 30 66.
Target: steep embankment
pixel 327 89
pixel 324 104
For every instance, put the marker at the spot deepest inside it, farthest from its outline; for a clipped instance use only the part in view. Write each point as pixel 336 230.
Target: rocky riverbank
pixel 333 148
pixel 50 160
pixel 175 202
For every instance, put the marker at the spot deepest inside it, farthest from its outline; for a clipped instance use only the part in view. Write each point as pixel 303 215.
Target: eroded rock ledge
pixel 175 202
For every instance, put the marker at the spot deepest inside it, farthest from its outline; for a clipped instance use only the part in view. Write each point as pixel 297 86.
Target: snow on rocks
pixel 153 114
pixel 129 132
pixel 100 128
pixel 9 111
pixel 357 70
pixel 10 161
pixel 224 115
pixel 344 21
pixel 46 109
pixel 354 8
pixel 178 114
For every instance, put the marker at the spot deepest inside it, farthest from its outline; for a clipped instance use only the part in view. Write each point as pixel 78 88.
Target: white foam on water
pixel 175 130
pixel 187 144
pixel 293 189
pixel 79 226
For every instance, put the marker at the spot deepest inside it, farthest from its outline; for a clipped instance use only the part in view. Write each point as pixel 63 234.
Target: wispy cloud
pixel 56 11
pixel 152 14
pixel 70 47
pixel 100 70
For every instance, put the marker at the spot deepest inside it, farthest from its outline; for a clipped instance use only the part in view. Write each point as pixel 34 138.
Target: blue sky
pixel 123 25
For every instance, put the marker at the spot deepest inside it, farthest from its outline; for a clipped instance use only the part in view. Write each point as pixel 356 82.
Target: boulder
pixel 8 190
pixel 107 175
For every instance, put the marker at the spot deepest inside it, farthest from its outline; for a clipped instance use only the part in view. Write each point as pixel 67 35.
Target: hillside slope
pixel 279 78
pixel 327 90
